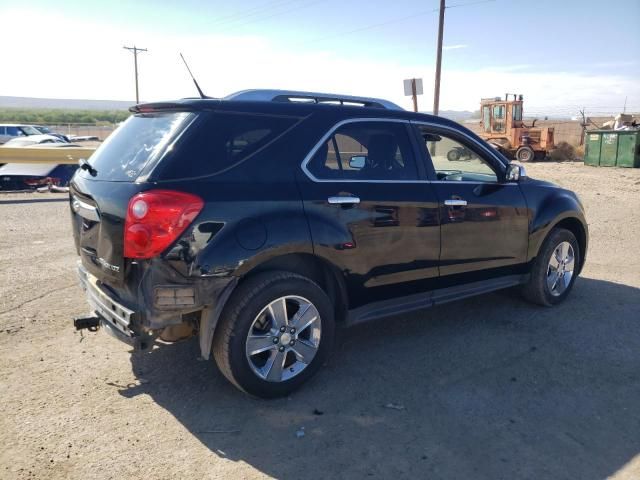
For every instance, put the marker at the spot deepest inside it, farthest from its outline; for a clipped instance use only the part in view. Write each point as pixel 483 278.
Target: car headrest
pixel 382 150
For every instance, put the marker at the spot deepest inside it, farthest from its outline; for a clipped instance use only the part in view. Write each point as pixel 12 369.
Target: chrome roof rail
pixel 312 97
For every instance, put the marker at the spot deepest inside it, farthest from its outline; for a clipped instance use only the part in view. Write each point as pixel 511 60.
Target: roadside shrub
pixel 563 152
pixel 53 116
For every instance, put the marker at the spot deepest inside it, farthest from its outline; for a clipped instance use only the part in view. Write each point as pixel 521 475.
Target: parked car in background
pixel 47 131
pixel 9 131
pixel 32 140
pixel 29 176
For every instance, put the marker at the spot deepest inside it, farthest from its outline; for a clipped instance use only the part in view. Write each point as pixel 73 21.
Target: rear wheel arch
pixel 310 266
pixel 320 271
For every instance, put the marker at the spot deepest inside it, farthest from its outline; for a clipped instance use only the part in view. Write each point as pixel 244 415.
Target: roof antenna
pixel 202 95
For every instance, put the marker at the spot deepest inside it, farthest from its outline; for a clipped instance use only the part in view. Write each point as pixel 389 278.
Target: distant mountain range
pixel 75 104
pixel 60 103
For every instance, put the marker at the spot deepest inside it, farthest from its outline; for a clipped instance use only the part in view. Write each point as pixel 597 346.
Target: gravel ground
pixel 487 388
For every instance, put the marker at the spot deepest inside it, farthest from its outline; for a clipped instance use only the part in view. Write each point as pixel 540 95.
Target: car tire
pixel 525 154
pixel 453 155
pixel 253 314
pixel 550 283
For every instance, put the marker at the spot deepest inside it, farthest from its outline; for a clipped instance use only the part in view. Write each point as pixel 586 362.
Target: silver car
pixel 33 140
pixel 14 130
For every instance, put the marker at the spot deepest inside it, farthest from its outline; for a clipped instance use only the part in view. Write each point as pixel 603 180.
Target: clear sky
pixel 561 54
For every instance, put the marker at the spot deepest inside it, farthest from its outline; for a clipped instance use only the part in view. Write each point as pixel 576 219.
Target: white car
pixel 33 140
pixel 9 131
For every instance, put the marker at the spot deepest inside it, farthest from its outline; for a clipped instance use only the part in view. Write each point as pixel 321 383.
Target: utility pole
pixel 436 91
pixel 135 51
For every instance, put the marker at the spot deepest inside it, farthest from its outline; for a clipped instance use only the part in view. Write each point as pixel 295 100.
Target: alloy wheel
pixel 283 338
pixel 560 269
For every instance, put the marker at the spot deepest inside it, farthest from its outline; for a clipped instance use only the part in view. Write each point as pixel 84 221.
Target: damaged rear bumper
pixel 161 304
pixel 116 319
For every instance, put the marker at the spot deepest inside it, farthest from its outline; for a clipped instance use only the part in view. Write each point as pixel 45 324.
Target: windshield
pixel 141 139
pixel 27 130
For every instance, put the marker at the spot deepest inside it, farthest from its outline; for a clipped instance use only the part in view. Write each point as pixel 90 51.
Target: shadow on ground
pixel 490 387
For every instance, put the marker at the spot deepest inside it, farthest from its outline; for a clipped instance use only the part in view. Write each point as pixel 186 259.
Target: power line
pixel 276 14
pixel 240 16
pixel 369 27
pixel 250 11
pixel 392 21
pixel 456 5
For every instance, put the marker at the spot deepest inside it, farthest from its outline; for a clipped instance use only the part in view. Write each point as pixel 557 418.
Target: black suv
pixel 262 220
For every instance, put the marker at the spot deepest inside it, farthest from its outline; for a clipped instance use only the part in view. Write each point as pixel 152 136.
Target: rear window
pixel 220 141
pixel 141 139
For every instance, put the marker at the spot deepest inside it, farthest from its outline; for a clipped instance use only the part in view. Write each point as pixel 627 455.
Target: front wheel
pixel 274 334
pixel 554 270
pixel 525 154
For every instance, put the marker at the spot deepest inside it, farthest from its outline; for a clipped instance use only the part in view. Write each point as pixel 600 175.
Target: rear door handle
pixel 343 200
pixel 455 203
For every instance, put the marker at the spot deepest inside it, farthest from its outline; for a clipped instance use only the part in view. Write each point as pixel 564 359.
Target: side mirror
pixel 515 172
pixel 357 162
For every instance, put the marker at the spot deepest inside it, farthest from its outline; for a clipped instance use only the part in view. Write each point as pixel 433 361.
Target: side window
pixel 498 118
pixel 366 151
pixel 517 112
pixel 14 131
pixel 454 162
pixel 222 140
pixel 486 118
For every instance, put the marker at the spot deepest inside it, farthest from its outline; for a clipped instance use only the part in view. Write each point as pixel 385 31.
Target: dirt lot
pixel 490 388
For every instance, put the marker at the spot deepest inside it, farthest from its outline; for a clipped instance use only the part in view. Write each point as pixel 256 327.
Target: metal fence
pixel 101 131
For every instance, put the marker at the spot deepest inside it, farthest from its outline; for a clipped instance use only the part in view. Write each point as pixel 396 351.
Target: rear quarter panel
pixel 256 210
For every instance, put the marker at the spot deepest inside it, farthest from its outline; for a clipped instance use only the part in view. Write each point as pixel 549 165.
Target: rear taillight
pixel 155 219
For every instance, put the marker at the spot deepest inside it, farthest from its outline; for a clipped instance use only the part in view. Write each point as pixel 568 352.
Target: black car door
pixel 371 211
pixel 484 219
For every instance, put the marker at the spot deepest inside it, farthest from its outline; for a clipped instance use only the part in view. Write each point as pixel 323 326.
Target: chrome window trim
pixel 456 182
pixel 331 131
pixel 328 135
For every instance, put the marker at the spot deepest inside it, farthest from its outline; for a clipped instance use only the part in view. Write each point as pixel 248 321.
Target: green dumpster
pixel 612 148
pixel 592 149
pixel 609 149
pixel 628 149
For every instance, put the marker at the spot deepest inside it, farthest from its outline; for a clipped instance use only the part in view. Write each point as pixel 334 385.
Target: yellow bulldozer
pixel 502 126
